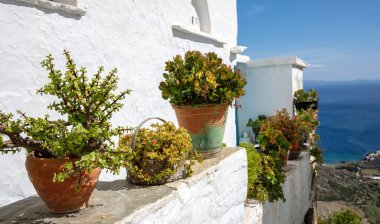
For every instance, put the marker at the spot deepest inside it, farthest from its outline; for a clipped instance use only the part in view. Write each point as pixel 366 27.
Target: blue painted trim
pixel 237 123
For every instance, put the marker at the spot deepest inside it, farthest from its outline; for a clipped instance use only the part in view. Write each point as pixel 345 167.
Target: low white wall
pixel 271 85
pixel 216 195
pixel 135 36
pixel 297 189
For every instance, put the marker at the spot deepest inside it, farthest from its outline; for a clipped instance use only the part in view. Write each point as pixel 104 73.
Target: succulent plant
pixel 84 132
pixel 201 79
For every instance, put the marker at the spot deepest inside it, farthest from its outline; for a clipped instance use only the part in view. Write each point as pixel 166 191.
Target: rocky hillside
pixel 354 185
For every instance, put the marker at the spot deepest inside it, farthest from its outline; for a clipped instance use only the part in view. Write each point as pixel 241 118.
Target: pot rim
pixel 199 105
pixel 32 157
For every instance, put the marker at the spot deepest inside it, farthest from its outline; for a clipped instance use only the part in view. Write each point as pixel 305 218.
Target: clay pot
pixel 206 125
pixel 284 156
pixel 306 105
pixel 60 197
pixel 295 151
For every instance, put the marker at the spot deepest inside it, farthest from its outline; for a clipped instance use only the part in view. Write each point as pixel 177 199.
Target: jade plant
pixel 158 152
pixel 201 79
pixel 256 124
pixel 303 96
pixel 84 131
pixel 265 175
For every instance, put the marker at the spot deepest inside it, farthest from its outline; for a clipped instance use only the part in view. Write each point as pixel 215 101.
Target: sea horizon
pixel 349 112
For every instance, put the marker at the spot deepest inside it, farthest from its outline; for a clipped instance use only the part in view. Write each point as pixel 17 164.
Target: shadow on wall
pixel 45 10
pixel 195 38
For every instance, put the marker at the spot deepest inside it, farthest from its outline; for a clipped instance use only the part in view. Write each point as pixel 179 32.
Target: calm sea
pixel 350 118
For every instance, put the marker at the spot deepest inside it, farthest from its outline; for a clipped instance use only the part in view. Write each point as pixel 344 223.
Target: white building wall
pixel 271 85
pixel 297 190
pixel 135 36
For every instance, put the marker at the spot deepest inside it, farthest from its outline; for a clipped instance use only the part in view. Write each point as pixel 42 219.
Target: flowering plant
pixel 158 152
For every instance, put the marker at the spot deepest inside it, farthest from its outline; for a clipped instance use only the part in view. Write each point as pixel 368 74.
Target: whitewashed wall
pixel 135 36
pixel 271 85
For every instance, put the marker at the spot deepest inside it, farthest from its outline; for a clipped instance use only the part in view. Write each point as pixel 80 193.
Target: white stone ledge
pixel 197 33
pixel 297 188
pixel 214 194
pixel 56 6
pixel 295 61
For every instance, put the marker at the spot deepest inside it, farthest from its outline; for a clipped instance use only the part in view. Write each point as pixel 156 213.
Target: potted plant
pixel 289 127
pixel 308 121
pixel 256 124
pixel 200 88
pixel 305 100
pixel 65 156
pixel 157 155
pixel 273 142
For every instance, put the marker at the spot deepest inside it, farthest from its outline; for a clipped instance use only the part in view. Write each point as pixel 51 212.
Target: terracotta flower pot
pixel 60 197
pixel 295 151
pixel 284 157
pixel 206 125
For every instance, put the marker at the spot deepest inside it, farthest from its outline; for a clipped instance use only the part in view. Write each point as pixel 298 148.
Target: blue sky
pixel 339 38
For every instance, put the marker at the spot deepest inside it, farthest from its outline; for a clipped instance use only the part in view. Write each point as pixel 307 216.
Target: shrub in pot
pixel 274 143
pixel 289 127
pixel 304 100
pixel 256 124
pixel 65 156
pixel 158 154
pixel 200 88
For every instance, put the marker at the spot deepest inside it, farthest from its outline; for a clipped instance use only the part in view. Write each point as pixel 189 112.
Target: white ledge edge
pixel 56 6
pixel 293 60
pixel 198 33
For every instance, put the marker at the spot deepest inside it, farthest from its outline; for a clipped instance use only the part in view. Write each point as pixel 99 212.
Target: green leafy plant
pixel 84 132
pixel 161 144
pixel 345 216
pixel 271 139
pixel 308 120
pixel 265 175
pixel 282 121
pixel 302 96
pixel 201 79
pixel 256 124
pixel 315 151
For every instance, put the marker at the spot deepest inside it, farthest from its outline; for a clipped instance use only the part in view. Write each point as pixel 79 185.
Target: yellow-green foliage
pixel 303 96
pixel 201 79
pixel 84 132
pixel 265 175
pixel 163 143
pixel 345 216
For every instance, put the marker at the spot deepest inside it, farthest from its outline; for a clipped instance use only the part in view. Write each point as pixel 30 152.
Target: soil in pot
pixel 60 197
pixel 206 125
